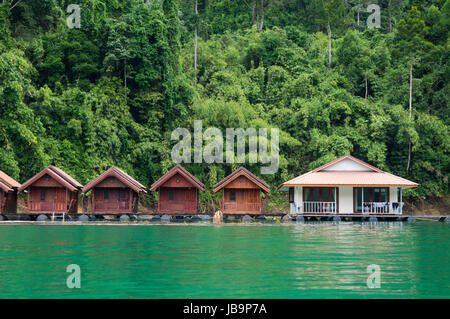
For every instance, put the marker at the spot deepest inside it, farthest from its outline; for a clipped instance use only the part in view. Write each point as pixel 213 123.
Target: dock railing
pixel 320 207
pixel 46 206
pixel 388 208
pixel 383 207
pixel 111 206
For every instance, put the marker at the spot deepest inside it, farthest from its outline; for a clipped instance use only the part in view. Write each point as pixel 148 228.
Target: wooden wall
pixel 10 204
pixel 184 200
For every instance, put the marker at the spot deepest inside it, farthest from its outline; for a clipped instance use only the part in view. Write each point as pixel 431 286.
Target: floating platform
pixel 177 217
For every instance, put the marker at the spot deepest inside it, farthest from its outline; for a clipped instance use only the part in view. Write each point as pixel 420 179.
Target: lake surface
pixel 311 260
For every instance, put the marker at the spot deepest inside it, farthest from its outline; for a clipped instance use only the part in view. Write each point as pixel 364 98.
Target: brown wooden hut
pixel 114 192
pixel 8 194
pixel 51 191
pixel 178 191
pixel 241 193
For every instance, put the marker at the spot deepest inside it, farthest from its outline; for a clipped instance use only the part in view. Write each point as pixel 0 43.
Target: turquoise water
pixel 322 260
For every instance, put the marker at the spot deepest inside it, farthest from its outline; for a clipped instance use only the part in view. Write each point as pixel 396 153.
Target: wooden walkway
pixel 227 217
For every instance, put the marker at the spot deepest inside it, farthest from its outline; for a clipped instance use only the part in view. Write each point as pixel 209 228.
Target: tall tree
pixel 195 41
pixel 392 7
pixel 331 15
pixel 5 33
pixel 253 8
pixel 118 51
pixel 411 43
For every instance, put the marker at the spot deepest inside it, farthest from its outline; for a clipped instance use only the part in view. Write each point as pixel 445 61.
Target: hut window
pixel 105 194
pixel 232 195
pixel 43 194
pixel 170 195
pixel 291 194
pixel 123 194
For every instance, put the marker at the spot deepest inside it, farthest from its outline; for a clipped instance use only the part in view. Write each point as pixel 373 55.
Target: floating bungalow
pixel 241 193
pixel 114 192
pixel 51 191
pixel 348 186
pixel 178 191
pixel 8 194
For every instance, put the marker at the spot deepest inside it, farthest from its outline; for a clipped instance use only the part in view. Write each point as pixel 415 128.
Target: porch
pixel 41 207
pixel 370 208
pixel 113 200
pixel 346 200
pixel 241 201
pixel 181 200
pixel 49 200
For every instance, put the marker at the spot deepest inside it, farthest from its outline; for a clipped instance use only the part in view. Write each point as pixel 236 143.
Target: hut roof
pixel 357 173
pixel 242 171
pixel 183 172
pixel 58 174
pixel 7 183
pixel 120 175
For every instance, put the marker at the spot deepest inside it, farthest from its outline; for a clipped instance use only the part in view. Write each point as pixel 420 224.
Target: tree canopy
pixel 112 91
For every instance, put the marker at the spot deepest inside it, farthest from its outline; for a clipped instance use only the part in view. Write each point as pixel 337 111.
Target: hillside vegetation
pixel 112 91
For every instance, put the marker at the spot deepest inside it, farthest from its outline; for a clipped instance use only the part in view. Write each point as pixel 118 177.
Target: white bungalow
pixel 346 185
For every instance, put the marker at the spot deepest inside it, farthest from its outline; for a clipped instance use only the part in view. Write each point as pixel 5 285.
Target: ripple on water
pixel 319 260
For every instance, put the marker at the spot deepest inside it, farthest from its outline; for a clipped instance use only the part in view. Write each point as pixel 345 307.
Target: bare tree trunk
pixel 13 5
pixel 410 111
pixel 125 74
pixel 365 79
pixel 195 43
pixel 257 19
pixel 262 16
pixel 358 21
pixel 329 44
pixel 359 8
pixel 410 87
pixel 253 12
pixel 390 20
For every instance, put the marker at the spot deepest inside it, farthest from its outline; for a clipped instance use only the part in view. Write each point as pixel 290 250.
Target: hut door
pixel 35 195
pixel 241 197
pixel 253 200
pixel 189 200
pixel 60 199
pixel 124 198
pixel 2 202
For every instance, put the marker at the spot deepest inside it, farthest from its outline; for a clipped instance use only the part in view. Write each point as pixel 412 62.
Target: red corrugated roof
pixel 66 176
pixel 183 172
pixel 120 175
pixel 374 177
pixel 7 183
pixel 4 187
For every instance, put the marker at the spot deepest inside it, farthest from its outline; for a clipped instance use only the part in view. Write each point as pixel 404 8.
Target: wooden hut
pixel 114 192
pixel 241 193
pixel 8 194
pixel 178 191
pixel 51 191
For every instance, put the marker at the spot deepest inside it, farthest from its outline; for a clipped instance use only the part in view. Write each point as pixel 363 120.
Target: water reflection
pixel 307 260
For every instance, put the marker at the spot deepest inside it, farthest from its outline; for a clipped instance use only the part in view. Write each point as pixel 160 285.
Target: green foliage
pixel 5 33
pixel 111 92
